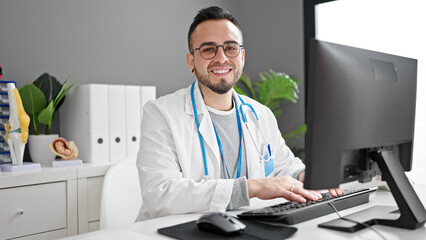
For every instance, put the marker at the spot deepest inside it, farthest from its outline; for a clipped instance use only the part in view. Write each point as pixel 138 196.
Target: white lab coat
pixel 170 161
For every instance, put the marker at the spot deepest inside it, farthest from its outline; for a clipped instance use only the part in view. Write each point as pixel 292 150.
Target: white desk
pixel 306 230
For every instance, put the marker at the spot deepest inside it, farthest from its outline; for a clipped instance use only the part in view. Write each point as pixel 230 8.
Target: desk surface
pixel 306 230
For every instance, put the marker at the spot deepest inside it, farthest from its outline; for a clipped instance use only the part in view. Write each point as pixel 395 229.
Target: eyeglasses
pixel 209 50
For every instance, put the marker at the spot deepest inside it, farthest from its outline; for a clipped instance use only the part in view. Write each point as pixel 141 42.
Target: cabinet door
pixel 94 191
pixel 89 202
pixel 33 209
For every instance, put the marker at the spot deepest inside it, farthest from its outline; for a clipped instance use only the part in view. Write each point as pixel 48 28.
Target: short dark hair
pixel 210 13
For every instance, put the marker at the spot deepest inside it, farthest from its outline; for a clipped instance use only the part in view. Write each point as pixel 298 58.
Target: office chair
pixel 121 195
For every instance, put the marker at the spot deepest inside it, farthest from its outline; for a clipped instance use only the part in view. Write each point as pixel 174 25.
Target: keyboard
pixel 294 212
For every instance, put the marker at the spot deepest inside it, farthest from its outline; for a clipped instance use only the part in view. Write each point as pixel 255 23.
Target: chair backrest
pixel 121 195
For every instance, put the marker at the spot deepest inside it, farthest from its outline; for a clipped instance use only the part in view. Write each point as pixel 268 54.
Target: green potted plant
pixel 41 99
pixel 274 90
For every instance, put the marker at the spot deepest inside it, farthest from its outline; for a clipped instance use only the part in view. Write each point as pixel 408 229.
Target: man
pixel 197 152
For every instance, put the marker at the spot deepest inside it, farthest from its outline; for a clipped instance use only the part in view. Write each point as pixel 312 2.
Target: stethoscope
pixel 264 150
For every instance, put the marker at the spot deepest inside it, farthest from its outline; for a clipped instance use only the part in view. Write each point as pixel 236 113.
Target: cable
pixel 353 221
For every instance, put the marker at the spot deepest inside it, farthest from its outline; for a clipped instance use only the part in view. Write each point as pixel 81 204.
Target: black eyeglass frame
pixel 240 46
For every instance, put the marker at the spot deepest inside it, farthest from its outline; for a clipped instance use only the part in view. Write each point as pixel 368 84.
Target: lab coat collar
pixel 206 129
pixel 254 169
pixel 199 101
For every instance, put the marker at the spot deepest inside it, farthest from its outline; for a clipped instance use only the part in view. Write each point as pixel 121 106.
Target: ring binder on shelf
pixel 104 120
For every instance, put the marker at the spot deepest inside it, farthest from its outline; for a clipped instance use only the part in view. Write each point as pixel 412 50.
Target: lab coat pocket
pixel 269 167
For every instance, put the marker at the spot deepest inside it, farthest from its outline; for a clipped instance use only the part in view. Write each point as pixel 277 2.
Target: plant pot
pixel 38 147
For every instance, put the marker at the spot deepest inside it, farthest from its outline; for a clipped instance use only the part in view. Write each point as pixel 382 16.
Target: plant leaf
pixel 46 115
pixel 62 93
pixel 296 132
pixel 273 89
pixel 239 90
pixel 33 99
pixel 276 88
pixel 49 85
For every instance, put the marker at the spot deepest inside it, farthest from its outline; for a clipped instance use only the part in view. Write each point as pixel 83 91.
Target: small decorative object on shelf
pixel 1 72
pixel 41 100
pixel 64 149
pixel 68 152
pixel 17 132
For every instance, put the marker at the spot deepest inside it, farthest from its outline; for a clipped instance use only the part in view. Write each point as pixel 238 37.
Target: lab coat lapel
pixel 206 129
pixel 252 155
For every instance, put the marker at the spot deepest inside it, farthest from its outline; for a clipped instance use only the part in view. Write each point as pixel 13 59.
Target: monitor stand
pixel 410 213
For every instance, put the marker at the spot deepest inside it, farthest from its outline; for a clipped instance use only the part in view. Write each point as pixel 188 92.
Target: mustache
pixel 212 65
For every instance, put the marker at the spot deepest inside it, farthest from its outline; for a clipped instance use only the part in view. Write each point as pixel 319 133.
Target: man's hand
pixel 281 186
pixel 333 191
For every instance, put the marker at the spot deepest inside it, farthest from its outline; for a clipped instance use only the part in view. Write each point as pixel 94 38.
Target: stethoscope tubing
pixel 244 118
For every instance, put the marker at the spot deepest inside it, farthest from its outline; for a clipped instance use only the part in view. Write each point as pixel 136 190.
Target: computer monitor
pixel 360 118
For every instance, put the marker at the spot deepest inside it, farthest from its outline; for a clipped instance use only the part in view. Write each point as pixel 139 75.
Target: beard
pixel 222 86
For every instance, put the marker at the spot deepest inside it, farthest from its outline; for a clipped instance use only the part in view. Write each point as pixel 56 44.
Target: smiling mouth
pixel 222 71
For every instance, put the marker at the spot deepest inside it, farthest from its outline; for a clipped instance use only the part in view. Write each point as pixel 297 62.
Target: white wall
pixel 141 42
pixel 390 26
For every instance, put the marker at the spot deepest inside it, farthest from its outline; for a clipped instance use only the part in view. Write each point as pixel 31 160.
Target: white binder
pixel 104 120
pixel 84 119
pixel 147 93
pixel 133 121
pixel 117 122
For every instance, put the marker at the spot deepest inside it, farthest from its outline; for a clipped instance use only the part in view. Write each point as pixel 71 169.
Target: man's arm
pixel 170 181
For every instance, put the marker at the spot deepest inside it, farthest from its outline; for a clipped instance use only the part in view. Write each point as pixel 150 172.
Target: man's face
pixel 221 72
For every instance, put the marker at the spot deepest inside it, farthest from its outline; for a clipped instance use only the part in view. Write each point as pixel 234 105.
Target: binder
pixel 104 120
pixel 117 122
pixel 133 121
pixel 147 93
pixel 84 119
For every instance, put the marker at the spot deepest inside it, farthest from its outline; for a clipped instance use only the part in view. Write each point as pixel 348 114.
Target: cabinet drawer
pixel 32 209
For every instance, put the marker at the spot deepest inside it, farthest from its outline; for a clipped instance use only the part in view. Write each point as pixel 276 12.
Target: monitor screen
pixel 359 101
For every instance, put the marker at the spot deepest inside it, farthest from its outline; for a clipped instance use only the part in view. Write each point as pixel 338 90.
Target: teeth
pixel 220 71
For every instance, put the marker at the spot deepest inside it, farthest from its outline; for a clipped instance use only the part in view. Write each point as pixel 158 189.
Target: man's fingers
pixel 297 189
pixel 333 192
pixel 316 193
pixel 339 191
pixel 291 196
pixel 311 195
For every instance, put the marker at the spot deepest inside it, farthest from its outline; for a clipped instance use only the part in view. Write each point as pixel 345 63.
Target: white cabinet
pixel 50 203
pixel 90 182
pixel 29 209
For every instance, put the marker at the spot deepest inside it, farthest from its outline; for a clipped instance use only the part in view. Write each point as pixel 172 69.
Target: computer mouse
pixel 220 223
